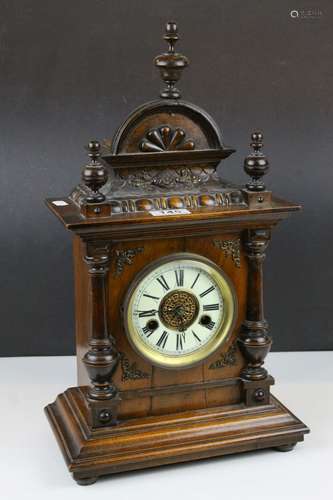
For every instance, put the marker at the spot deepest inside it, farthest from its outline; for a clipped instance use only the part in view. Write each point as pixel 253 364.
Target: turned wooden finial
pixel 171 63
pixel 94 175
pixel 256 164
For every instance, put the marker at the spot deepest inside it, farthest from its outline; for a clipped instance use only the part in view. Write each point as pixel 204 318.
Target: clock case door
pixel 150 390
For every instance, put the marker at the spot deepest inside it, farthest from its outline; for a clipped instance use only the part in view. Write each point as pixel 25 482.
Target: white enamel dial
pixel 178 310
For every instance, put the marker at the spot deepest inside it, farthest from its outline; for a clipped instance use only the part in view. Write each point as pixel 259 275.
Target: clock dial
pixel 179 310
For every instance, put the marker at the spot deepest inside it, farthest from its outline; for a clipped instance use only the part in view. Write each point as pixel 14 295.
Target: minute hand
pixel 146 314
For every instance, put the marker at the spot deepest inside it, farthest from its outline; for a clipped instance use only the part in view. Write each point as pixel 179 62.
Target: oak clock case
pixel 171 335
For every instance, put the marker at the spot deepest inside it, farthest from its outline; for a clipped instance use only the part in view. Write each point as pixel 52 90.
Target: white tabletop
pixel 31 465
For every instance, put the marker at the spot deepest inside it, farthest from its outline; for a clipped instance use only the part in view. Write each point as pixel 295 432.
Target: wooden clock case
pixel 126 413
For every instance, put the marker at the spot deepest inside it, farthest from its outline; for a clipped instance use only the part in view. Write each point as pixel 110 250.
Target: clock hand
pixel 179 315
pixel 146 314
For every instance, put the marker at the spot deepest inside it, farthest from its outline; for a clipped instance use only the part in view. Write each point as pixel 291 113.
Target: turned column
pixel 102 358
pixel 254 340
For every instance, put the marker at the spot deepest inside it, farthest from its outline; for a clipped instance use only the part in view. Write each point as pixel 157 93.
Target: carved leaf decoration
pixel 165 139
pixel 130 371
pixel 226 359
pixel 230 248
pixel 125 257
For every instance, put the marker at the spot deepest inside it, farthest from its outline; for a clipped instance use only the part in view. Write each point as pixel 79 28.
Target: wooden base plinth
pixel 157 440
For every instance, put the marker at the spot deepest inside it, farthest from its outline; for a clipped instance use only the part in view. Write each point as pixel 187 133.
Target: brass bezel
pixel 187 360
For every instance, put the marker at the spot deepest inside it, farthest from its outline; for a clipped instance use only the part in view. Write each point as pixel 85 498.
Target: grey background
pixel 72 71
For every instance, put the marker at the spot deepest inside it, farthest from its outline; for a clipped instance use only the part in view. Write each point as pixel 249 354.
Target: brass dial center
pixel 179 309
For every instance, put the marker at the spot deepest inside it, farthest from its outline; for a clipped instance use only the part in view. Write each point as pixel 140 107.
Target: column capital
pixel 256 242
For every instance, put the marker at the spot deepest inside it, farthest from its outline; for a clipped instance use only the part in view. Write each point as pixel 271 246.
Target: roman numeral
pixel 206 292
pixel 163 339
pixel 211 307
pixel 209 325
pixel 147 331
pixel 180 341
pixel 196 336
pixel 179 277
pixel 196 279
pixel 147 314
pixel 163 283
pixel 150 296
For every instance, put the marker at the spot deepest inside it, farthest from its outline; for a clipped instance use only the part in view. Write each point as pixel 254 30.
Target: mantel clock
pixel 170 329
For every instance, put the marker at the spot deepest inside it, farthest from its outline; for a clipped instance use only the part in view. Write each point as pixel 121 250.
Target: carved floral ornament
pixel 166 139
pixel 230 248
pixel 130 371
pixel 226 359
pixel 125 257
pixel 168 178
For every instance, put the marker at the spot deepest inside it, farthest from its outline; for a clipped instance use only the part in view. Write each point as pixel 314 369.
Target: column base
pixel 257 392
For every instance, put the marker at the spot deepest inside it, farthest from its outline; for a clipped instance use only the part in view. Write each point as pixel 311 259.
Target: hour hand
pixel 178 315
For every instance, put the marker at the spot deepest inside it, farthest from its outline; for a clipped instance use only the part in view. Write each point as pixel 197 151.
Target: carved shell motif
pixel 165 139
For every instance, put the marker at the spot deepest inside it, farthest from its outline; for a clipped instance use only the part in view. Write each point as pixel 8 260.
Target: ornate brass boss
pixel 178 310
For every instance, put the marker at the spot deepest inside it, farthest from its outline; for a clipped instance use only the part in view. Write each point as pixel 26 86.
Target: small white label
pixel 171 211
pixel 60 203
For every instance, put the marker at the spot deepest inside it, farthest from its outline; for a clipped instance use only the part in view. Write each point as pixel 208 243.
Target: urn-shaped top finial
pixel 256 164
pixel 171 63
pixel 94 174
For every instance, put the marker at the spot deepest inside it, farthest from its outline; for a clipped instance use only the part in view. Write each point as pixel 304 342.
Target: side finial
pixel 171 63
pixel 256 164
pixel 94 175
